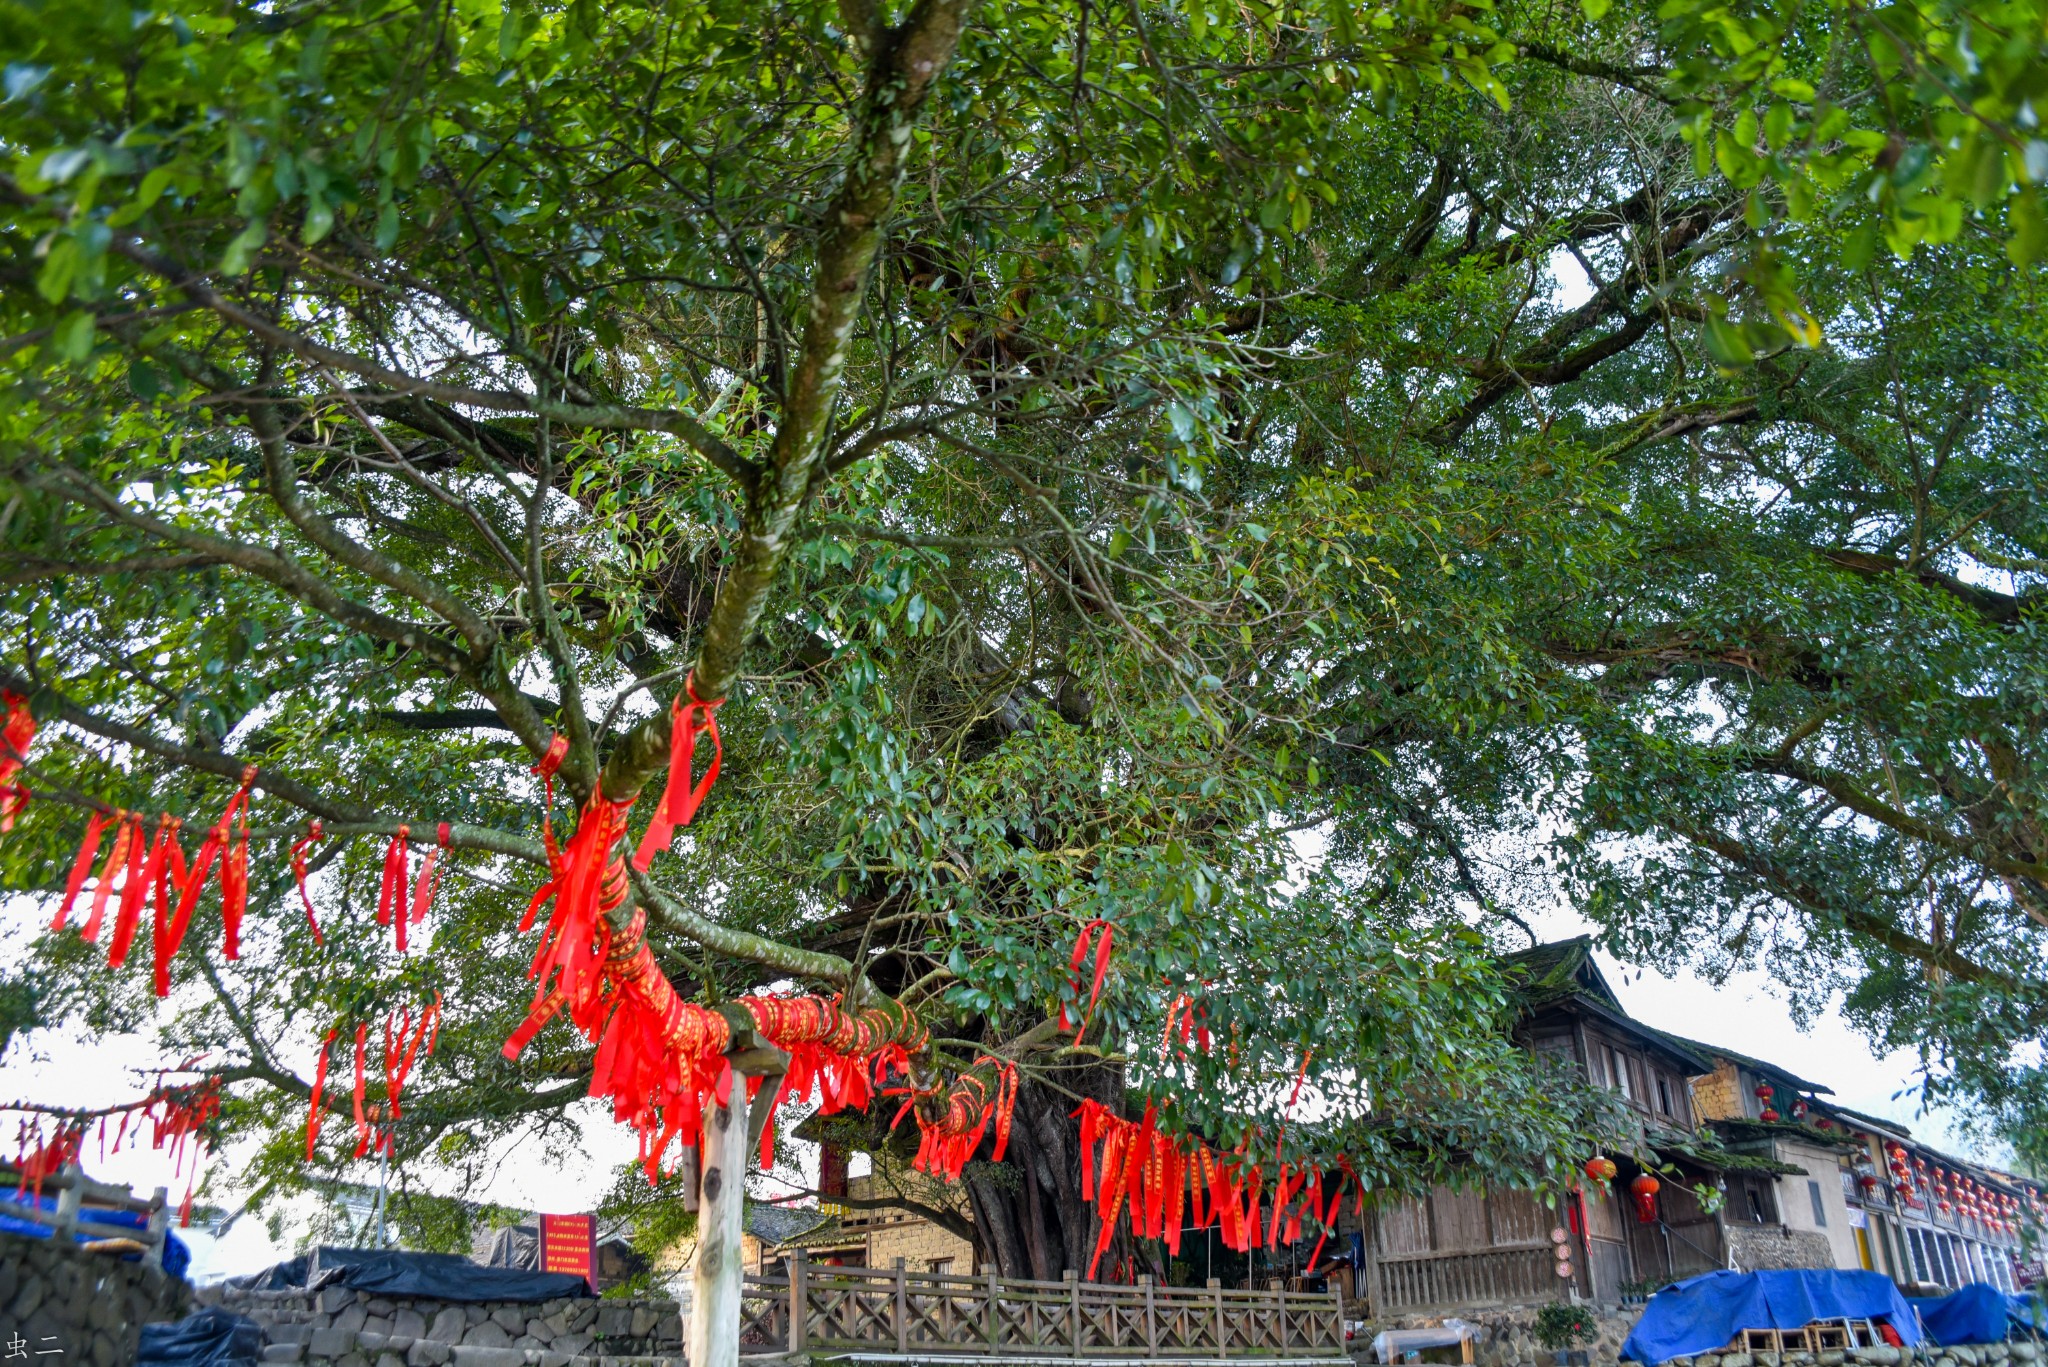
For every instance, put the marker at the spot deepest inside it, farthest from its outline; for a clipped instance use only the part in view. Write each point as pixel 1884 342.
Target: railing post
pixel 1151 1318
pixel 1286 1332
pixel 159 1226
pixel 1216 1286
pixel 1073 1281
pixel 1337 1308
pixel 799 1302
pixel 70 1179
pixel 902 1310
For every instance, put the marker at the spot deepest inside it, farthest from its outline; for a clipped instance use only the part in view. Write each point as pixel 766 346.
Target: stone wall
pixel 357 1329
pixel 1507 1336
pixel 87 1307
pixel 1758 1247
pixel 1926 1355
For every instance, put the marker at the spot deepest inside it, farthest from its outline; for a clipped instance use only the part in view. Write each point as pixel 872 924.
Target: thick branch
pixel 899 80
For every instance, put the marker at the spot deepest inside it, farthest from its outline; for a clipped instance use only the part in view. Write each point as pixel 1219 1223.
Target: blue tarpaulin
pixel 1979 1313
pixel 176 1256
pixel 1703 1313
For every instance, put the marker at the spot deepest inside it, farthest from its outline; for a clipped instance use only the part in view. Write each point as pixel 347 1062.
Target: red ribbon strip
pixel 314 834
pixel 679 798
pixel 313 1117
pixel 430 878
pixel 126 832
pixel 362 1123
pixel 1102 949
pixel 391 893
pixel 81 866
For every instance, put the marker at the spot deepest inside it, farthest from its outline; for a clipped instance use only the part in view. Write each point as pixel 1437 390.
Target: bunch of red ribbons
pixel 178 1115
pixel 402 899
pixel 17 732
pixel 1171 1183
pixel 406 1043
pixel 151 868
pixel 660 1060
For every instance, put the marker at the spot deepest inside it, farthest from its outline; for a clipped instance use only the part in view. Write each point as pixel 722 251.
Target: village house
pixel 1472 1249
pixel 1880 1200
pixel 856 1235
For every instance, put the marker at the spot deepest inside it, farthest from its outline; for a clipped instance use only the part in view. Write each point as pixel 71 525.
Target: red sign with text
pixel 568 1243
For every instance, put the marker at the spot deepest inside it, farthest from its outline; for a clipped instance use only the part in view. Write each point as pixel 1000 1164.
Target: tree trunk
pixel 1042 1227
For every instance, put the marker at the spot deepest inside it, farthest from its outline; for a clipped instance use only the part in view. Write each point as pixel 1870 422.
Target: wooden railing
pixel 78 1197
pixel 1497 1276
pixel 820 1308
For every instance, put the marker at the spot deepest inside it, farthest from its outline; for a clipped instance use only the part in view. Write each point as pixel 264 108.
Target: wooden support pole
pixel 717 1280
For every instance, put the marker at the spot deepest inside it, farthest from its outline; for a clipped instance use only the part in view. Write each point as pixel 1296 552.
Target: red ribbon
pixel 81 866
pixel 1102 948
pixel 234 888
pixel 171 872
pixel 679 798
pixel 429 879
pixel 362 1124
pixel 313 835
pixel 126 833
pixel 314 1117
pixel 391 894
pixel 550 763
pixel 142 871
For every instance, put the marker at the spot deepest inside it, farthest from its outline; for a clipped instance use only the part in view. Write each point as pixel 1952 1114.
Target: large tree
pixel 1083 446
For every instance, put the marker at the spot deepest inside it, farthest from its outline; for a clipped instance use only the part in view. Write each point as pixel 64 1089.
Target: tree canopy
pixel 1543 451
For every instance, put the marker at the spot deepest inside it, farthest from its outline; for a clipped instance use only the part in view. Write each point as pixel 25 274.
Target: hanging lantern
pixel 1799 1108
pixel 1769 1115
pixel 1645 1189
pixel 1868 1181
pixel 1764 1092
pixel 1601 1168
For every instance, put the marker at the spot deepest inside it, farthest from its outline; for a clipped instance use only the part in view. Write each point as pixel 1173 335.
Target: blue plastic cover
pixel 211 1338
pixel 177 1257
pixel 1979 1313
pixel 1703 1313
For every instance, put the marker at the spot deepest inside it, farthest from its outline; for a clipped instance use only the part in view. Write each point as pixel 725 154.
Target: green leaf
pixel 242 250
pixel 73 336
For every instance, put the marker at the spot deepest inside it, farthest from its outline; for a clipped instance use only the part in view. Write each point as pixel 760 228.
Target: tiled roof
pixel 1755 1065
pixel 776 1225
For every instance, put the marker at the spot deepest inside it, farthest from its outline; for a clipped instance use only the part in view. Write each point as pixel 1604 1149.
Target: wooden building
pixel 1463 1249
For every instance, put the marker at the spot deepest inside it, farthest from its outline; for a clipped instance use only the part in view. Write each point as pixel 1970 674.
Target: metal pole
pixel 383 1190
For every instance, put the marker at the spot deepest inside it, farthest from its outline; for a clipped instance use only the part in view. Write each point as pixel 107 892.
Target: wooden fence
pixel 1497 1276
pixel 820 1308
pixel 78 1198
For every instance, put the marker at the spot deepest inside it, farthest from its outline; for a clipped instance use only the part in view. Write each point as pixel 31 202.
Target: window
pixel 941 1267
pixel 1664 1095
pixel 1756 1204
pixel 1946 1247
pixel 1617 1063
pixel 1820 1210
pixel 1918 1245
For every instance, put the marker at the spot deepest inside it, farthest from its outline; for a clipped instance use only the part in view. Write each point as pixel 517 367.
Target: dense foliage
pixel 1543 451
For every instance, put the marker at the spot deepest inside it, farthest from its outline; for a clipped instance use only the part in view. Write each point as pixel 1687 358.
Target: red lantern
pixel 1601 1168
pixel 1764 1091
pixel 1799 1108
pixel 1768 1114
pixel 1644 1189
